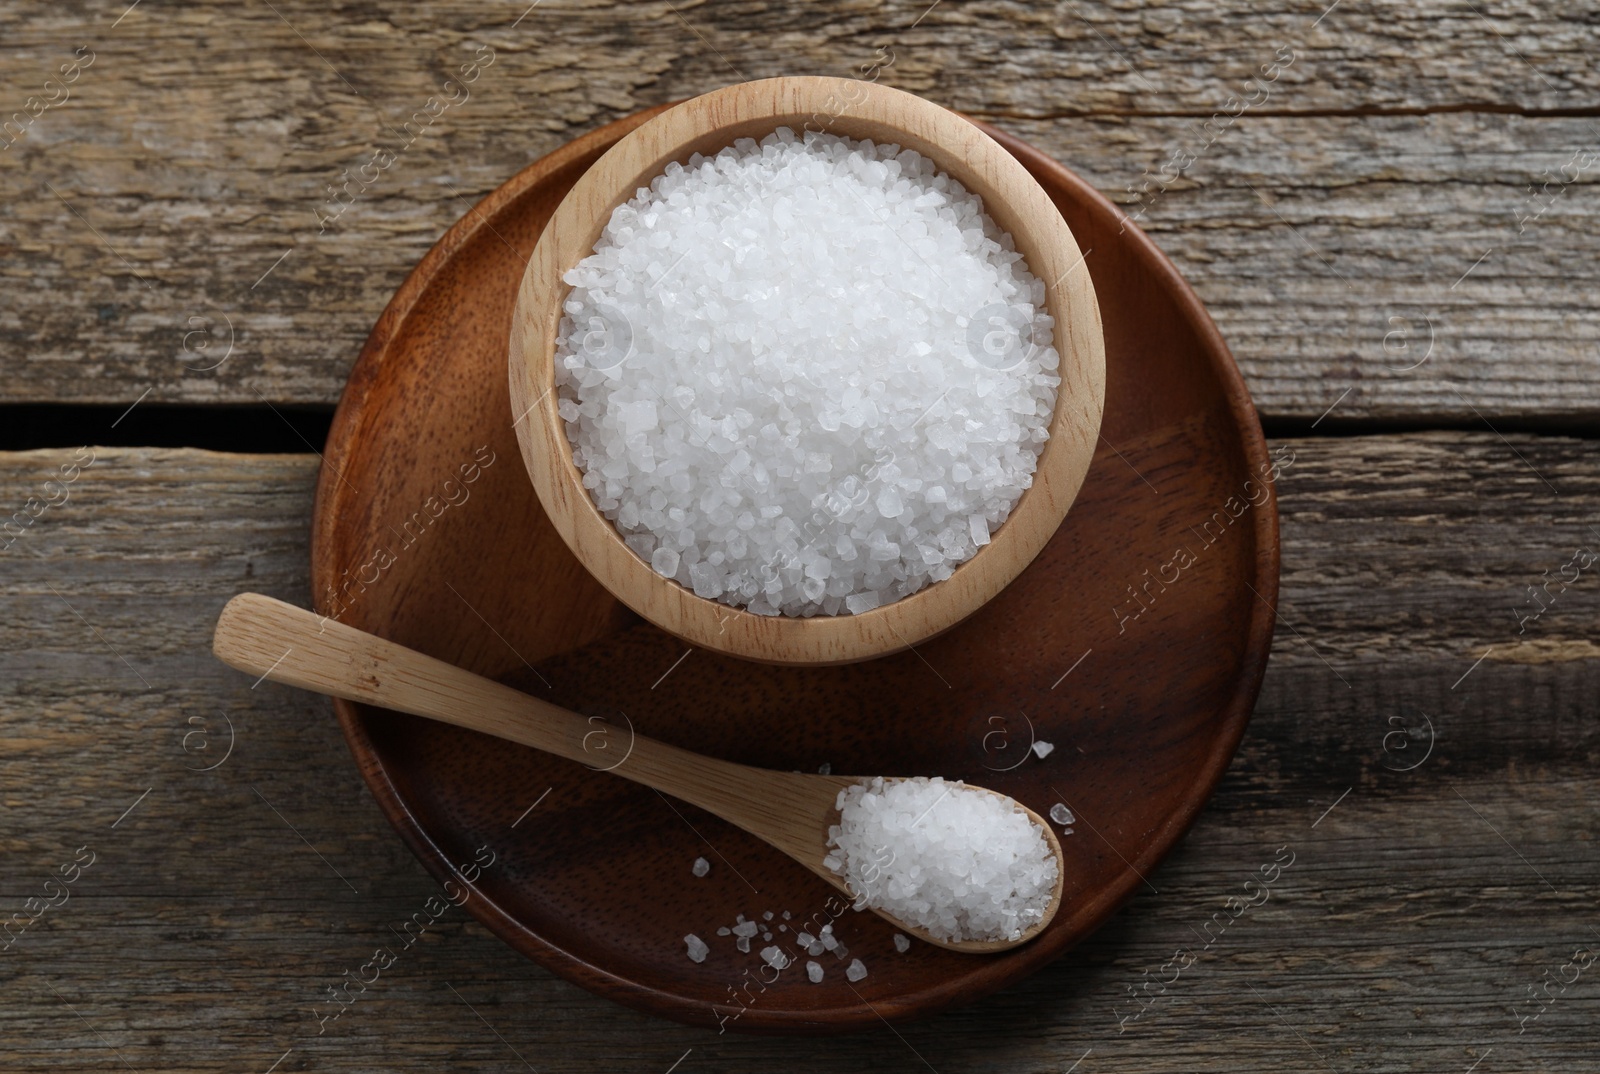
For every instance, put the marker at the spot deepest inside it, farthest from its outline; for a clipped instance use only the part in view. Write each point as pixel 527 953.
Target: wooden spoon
pixel 790 810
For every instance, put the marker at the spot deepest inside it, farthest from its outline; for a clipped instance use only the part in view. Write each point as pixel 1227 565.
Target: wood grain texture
pixel 1417 914
pixel 1012 197
pixel 170 207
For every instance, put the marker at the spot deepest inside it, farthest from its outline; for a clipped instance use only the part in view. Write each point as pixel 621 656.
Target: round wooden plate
pixel 1135 643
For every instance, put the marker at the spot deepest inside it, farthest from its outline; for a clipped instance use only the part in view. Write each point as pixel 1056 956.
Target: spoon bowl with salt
pixel 798 814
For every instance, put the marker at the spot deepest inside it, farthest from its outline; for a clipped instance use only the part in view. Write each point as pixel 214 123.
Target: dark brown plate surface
pixel 1135 644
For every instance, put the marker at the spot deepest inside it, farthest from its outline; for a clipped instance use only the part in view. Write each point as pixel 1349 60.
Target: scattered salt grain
pixel 767 916
pixel 855 971
pixel 1042 750
pixel 701 867
pixel 958 861
pixel 814 972
pixel 825 769
pixel 901 944
pixel 808 376
pixel 1061 814
pixel 724 931
pixel 774 957
pixel 697 948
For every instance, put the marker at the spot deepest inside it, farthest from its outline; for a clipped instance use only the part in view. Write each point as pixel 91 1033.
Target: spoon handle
pixel 263 636
pixel 266 637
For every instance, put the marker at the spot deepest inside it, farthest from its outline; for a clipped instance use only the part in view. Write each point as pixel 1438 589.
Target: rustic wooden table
pixel 1397 236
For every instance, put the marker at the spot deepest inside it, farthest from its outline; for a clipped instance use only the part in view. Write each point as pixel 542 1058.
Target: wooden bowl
pixel 427 532
pixel 707 124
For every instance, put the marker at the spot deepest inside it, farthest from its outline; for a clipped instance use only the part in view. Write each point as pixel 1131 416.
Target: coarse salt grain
pixel 901 943
pixel 808 376
pixel 1061 814
pixel 1042 750
pixel 814 972
pixel 855 971
pixel 700 867
pixel 697 948
pixel 958 861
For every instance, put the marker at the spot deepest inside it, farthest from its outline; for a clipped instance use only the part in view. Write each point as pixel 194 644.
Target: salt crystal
pixel 958 861
pixel 724 931
pixel 745 928
pixel 1061 814
pixel 701 867
pixel 802 376
pixel 901 944
pixel 1042 750
pixel 697 948
pixel 855 971
pixel 774 957
pixel 826 769
pixel 767 916
pixel 814 972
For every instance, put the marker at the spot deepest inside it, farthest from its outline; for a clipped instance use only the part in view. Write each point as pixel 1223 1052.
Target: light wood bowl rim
pixel 707 123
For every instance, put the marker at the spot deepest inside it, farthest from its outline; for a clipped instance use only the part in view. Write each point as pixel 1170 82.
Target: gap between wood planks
pixel 294 429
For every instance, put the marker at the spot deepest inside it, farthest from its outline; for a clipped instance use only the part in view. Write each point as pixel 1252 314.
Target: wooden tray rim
pixel 1232 720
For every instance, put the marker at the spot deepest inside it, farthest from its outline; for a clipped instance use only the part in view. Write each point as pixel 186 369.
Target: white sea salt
pixel 774 957
pixel 958 861
pixel 808 376
pixel 814 972
pixel 1061 814
pixel 901 943
pixel 1042 750
pixel 700 867
pixel 855 971
pixel 697 948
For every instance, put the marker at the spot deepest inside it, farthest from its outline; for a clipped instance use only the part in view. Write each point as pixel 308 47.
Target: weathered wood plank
pixel 171 206
pixel 1418 913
